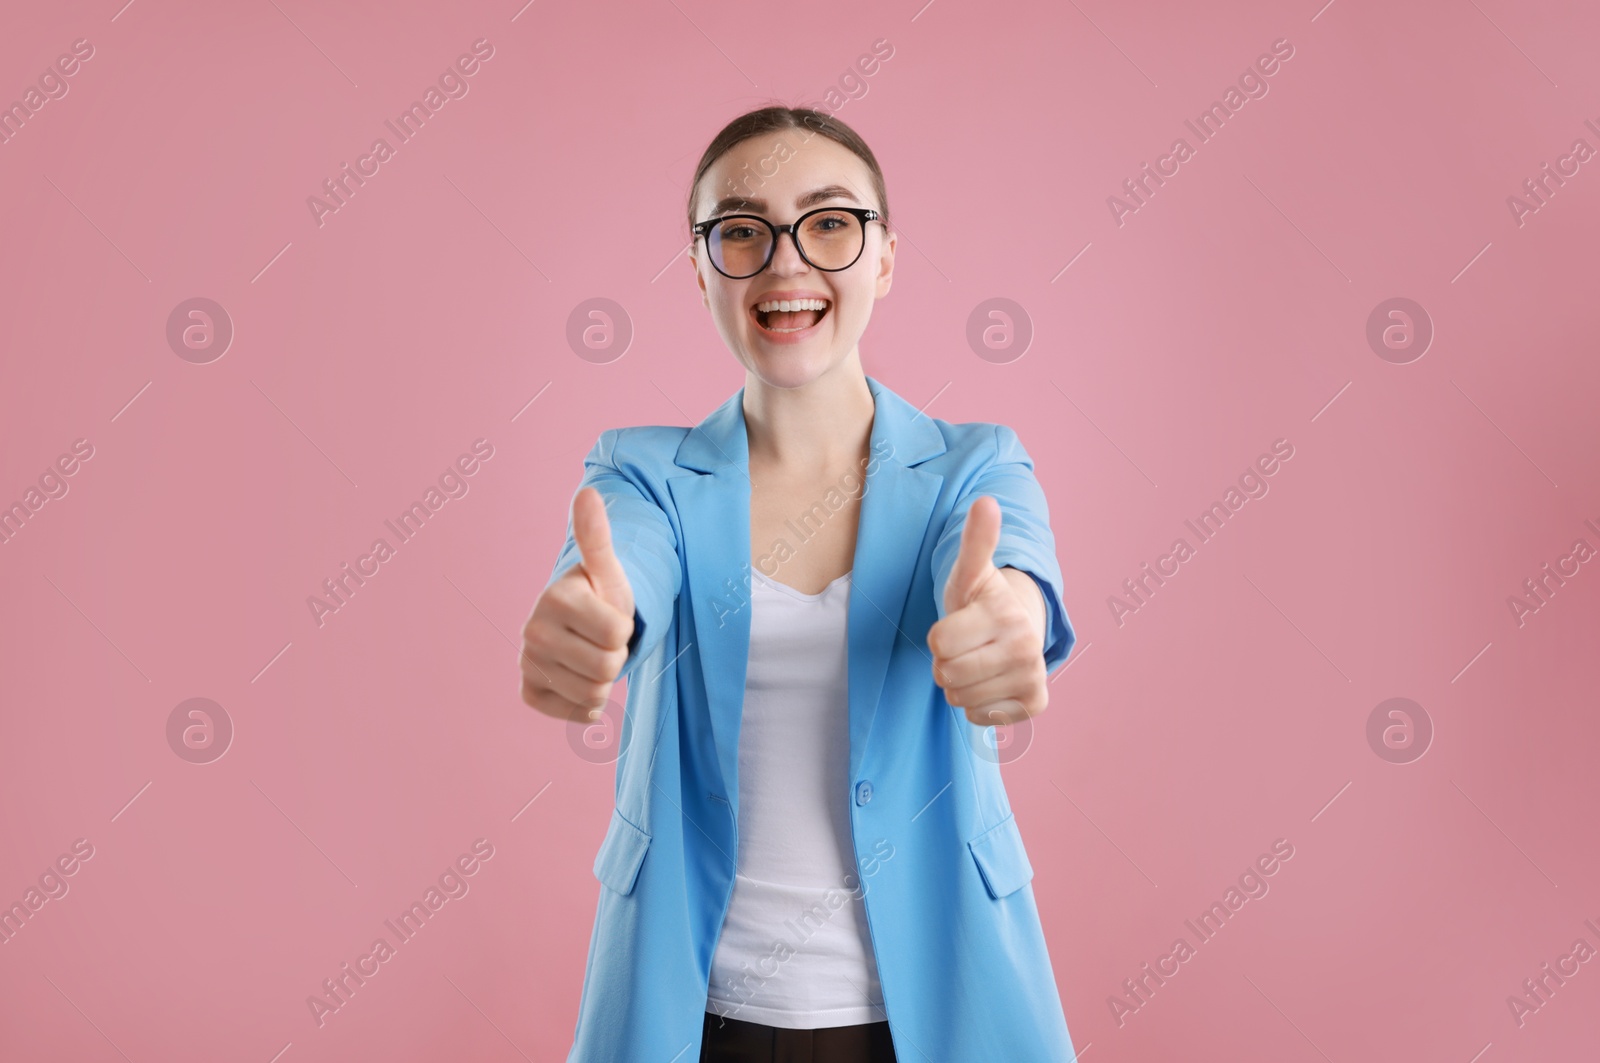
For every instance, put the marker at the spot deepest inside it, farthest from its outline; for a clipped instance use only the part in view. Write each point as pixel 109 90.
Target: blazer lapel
pixel 714 514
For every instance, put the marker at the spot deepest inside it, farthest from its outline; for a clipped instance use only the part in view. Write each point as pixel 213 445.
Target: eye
pixel 738 231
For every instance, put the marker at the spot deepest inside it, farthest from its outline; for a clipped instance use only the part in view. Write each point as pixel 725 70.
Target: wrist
pixel 1027 591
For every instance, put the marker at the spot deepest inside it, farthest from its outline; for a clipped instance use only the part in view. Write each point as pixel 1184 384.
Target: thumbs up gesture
pixel 575 642
pixel 988 651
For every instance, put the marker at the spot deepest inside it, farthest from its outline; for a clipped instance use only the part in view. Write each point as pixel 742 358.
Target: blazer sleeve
pixel 1026 542
pixel 644 542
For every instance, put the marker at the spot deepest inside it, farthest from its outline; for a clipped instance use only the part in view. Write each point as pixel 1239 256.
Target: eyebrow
pixel 807 199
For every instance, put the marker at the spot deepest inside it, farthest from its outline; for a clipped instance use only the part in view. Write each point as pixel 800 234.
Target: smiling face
pixel 789 347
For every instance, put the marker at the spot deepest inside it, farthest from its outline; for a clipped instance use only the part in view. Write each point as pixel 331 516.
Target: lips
pixel 784 322
pixel 788 314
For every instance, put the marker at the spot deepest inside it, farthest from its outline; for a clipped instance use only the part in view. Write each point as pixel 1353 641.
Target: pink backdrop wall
pixel 1174 340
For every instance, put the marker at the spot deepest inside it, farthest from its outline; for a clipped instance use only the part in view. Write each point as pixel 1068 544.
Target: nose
pixel 786 260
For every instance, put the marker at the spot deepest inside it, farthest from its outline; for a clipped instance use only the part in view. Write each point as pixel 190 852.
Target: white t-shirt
pixel 795 951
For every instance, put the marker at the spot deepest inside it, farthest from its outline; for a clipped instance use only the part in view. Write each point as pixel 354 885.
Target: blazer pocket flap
pixel 621 854
pixel 1001 859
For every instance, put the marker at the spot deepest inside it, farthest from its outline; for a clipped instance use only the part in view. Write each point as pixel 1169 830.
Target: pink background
pixel 369 352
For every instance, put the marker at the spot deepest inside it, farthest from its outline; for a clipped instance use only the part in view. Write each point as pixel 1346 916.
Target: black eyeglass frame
pixel 862 214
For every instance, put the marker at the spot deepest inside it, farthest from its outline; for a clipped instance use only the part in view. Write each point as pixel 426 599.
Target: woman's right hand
pixel 576 639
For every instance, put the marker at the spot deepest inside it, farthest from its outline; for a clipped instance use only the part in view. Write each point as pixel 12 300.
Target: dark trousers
pixel 734 1041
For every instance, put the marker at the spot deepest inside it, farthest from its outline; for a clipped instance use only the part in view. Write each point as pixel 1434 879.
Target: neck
pixel 823 424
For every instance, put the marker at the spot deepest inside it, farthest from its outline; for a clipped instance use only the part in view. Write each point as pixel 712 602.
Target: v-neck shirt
pixel 795 951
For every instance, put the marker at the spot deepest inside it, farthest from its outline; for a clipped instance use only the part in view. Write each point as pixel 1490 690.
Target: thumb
pixel 591 529
pixel 974 563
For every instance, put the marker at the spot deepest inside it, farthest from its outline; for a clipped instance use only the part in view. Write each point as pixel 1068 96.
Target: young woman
pixel 822 599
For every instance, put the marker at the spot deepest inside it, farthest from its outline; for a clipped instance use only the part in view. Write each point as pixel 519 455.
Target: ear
pixel 886 263
pixel 694 264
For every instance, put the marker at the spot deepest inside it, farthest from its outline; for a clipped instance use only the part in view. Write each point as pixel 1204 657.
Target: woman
pixel 822 599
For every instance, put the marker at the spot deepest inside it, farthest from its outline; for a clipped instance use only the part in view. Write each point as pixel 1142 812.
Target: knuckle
pixel 558 593
pixel 537 699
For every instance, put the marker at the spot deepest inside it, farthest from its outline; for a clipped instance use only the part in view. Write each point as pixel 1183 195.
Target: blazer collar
pixel 714 515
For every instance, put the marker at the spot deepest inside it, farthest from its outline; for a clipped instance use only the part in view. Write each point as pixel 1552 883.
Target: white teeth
pixel 784 305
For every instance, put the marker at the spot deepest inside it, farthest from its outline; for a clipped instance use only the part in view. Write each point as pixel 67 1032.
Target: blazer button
pixel 863 792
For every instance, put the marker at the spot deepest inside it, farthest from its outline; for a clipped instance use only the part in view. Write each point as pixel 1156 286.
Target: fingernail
pixel 595 714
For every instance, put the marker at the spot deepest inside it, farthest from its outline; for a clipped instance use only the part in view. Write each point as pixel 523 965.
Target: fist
pixel 576 639
pixel 988 651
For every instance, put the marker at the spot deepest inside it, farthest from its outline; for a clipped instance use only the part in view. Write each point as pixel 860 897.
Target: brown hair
pixel 776 118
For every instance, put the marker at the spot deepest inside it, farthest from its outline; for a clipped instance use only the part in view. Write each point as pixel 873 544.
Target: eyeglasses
pixel 829 238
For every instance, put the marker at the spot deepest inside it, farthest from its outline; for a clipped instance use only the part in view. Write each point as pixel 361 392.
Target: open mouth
pixel 784 317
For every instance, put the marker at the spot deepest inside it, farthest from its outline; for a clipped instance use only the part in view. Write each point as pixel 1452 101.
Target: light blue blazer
pixel 961 957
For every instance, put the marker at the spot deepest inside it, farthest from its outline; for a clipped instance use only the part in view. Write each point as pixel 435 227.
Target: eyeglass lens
pixel 829 240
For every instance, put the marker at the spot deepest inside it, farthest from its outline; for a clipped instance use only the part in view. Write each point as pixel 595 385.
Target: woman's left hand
pixel 988 651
